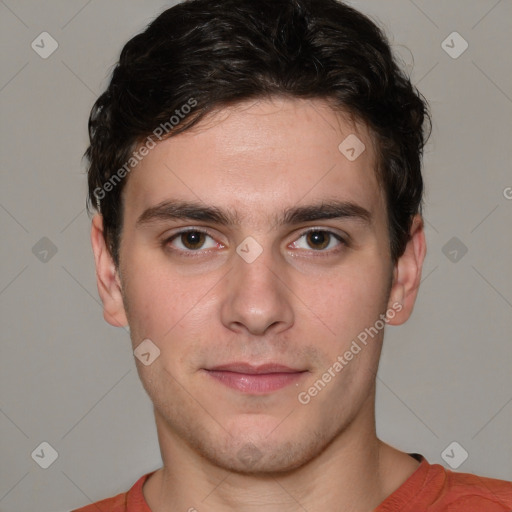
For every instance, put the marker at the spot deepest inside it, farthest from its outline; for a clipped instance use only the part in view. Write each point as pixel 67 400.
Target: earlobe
pixel 407 274
pixel 107 278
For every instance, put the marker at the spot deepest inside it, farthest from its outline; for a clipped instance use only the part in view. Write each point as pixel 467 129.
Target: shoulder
pixel 131 501
pixel 466 492
pixel 432 488
pixel 115 504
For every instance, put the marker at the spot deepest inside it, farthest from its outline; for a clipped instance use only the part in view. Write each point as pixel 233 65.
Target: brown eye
pixel 318 239
pixel 192 239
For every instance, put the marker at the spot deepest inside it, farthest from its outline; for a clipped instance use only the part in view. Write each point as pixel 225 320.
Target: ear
pixel 107 278
pixel 407 275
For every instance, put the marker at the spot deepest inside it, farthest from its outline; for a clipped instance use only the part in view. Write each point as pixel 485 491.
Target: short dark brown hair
pixel 208 54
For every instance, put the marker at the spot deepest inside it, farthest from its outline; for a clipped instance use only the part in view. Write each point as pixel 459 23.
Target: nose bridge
pixel 256 298
pixel 256 269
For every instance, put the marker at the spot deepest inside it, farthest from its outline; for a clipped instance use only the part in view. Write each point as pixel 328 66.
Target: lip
pixel 255 380
pixel 250 369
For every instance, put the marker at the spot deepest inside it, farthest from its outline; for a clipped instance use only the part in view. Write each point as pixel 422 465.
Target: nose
pixel 256 296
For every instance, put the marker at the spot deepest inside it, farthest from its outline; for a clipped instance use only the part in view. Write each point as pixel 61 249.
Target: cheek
pixel 152 297
pixel 354 298
pixel 170 310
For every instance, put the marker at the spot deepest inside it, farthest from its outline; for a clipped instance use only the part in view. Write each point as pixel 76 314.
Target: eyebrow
pixel 189 210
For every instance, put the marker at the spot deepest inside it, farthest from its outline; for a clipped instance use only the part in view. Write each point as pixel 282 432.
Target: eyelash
pixel 200 252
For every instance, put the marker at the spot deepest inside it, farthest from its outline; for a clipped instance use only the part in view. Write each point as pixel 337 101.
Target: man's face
pixel 223 300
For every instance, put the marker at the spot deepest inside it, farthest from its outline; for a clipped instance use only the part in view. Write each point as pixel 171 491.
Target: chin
pixel 265 457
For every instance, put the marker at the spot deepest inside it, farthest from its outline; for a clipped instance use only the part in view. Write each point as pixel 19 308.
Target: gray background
pixel 68 378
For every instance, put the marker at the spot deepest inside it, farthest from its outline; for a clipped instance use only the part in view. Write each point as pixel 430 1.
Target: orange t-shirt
pixel 431 488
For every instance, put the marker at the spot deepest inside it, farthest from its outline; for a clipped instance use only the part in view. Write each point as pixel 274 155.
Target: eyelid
pixel 167 239
pixel 343 239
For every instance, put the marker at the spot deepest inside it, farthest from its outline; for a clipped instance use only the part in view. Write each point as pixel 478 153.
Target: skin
pixel 300 304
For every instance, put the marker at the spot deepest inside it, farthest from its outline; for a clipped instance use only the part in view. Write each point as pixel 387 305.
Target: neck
pixel 355 471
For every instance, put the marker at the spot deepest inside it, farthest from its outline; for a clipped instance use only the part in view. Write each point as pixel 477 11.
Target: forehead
pixel 261 156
